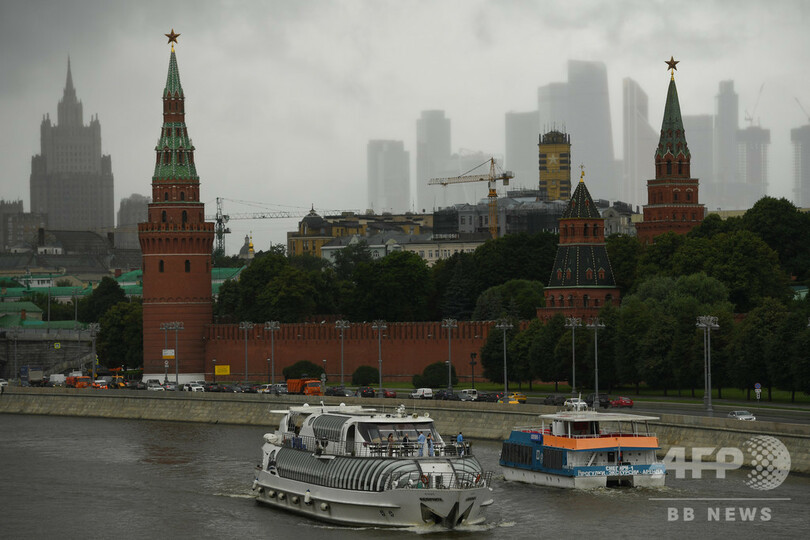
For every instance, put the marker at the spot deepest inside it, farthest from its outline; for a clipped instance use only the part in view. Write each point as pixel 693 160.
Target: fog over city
pixel 282 97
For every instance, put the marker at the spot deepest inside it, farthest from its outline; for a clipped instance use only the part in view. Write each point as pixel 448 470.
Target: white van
pixel 469 394
pixel 422 393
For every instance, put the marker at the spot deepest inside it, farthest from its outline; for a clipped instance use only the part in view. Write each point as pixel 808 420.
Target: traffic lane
pixel 721 410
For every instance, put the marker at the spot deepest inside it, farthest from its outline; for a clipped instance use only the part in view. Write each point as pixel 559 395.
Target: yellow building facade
pixel 554 157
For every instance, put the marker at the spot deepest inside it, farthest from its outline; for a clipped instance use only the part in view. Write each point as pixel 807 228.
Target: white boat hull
pixel 390 508
pixel 580 482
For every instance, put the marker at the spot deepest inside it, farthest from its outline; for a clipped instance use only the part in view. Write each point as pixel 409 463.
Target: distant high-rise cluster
pixel 581 108
pixel 389 176
pixel 71 180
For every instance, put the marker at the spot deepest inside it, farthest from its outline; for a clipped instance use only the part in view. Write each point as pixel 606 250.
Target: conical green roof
pixel 673 137
pixel 581 205
pixel 173 87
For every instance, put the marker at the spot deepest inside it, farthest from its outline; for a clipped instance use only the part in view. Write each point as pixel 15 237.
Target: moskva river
pixel 66 477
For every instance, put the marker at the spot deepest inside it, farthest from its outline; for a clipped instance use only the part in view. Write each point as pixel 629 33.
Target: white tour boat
pixel 584 449
pixel 338 464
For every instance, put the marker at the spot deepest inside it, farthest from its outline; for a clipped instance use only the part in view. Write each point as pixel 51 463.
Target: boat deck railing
pixel 602 434
pixel 455 480
pixel 376 449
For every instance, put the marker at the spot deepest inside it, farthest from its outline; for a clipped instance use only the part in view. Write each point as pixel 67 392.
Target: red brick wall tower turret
pixel 176 243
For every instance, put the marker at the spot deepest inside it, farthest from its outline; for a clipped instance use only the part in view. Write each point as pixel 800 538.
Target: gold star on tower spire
pixel 672 64
pixel 172 38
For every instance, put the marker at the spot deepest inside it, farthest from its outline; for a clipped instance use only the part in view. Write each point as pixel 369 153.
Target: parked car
pixel 517 396
pixel 621 401
pixel 387 393
pixel 482 396
pixel 3 382
pixel 366 391
pixel 575 404
pixel 446 395
pixel 554 400
pixel 170 386
pixel 279 388
pixel 422 393
pixel 469 394
pixel 742 415
pixel 603 400
pixel 193 387
pixel 493 397
pixel 155 387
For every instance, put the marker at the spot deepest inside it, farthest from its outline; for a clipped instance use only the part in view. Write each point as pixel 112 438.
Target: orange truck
pixel 78 381
pixel 309 387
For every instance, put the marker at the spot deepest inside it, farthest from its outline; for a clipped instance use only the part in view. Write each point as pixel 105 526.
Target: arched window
pixel 559 274
pixel 160 266
pixel 669 167
pixel 188 266
pixel 675 196
pixel 585 230
pixel 182 195
pixel 596 302
pixel 567 273
pixel 596 229
pixel 589 274
pixel 165 197
pixel 601 273
pixel 185 216
pixel 585 301
pixel 163 216
pixel 561 301
pixel 570 300
pixel 689 195
pixel 551 300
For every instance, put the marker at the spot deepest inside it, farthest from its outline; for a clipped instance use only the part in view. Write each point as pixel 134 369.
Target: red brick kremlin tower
pixel 673 195
pixel 176 243
pixel 581 281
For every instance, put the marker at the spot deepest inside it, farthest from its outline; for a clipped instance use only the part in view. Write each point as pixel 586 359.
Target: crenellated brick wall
pixel 406 349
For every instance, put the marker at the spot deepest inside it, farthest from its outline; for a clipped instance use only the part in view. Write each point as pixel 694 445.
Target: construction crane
pixel 221 219
pixel 802 108
pixel 491 179
pixel 750 117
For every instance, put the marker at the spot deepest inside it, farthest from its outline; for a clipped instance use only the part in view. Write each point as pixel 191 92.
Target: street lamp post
pixel 215 371
pixel 504 325
pixel 273 326
pixel 341 325
pixel 573 323
pixel 596 324
pixel 472 367
pixel 449 324
pixel 246 325
pixel 93 331
pixel 379 325
pixel 708 323
pixel 176 326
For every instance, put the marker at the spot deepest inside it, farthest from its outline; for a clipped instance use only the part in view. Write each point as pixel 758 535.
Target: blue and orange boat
pixel 584 449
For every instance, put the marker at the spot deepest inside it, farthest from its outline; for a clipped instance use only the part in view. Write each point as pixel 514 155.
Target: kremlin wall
pixel 406 349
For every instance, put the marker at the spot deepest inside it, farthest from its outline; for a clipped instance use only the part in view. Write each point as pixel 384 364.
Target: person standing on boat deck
pixel 430 444
pixel 460 444
pixel 406 445
pixel 420 442
pixel 390 444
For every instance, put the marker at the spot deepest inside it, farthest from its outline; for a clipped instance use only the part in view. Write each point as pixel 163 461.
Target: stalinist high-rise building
pixel 71 180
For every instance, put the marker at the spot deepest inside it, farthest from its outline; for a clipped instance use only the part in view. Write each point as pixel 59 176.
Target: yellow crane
pixel 491 179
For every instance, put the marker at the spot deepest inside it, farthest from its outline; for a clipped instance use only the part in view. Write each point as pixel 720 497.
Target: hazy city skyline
pixel 283 97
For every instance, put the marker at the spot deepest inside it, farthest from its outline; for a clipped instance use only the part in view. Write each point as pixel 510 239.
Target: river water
pixel 63 477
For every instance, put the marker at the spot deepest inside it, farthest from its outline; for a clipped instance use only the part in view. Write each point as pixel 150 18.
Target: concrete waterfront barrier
pixel 488 421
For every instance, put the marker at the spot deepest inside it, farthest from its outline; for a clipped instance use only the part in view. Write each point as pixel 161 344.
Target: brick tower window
pixel 163 216
pixel 166 197
pixel 188 266
pixel 182 195
pixel 160 266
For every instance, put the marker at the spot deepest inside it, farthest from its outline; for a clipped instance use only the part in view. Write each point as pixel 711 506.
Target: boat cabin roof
pixel 593 416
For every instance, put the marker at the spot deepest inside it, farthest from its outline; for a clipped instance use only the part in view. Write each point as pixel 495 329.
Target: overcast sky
pixel 282 96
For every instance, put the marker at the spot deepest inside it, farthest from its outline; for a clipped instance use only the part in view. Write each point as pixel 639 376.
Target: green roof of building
pixel 134 275
pixel 581 205
pixel 16 307
pixel 224 274
pixel 173 86
pixel 673 137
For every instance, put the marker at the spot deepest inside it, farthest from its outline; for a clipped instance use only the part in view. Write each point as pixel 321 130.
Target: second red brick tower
pixel 672 197
pixel 176 243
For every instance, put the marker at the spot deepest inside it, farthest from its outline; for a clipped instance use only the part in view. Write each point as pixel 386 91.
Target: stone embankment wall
pixel 477 420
